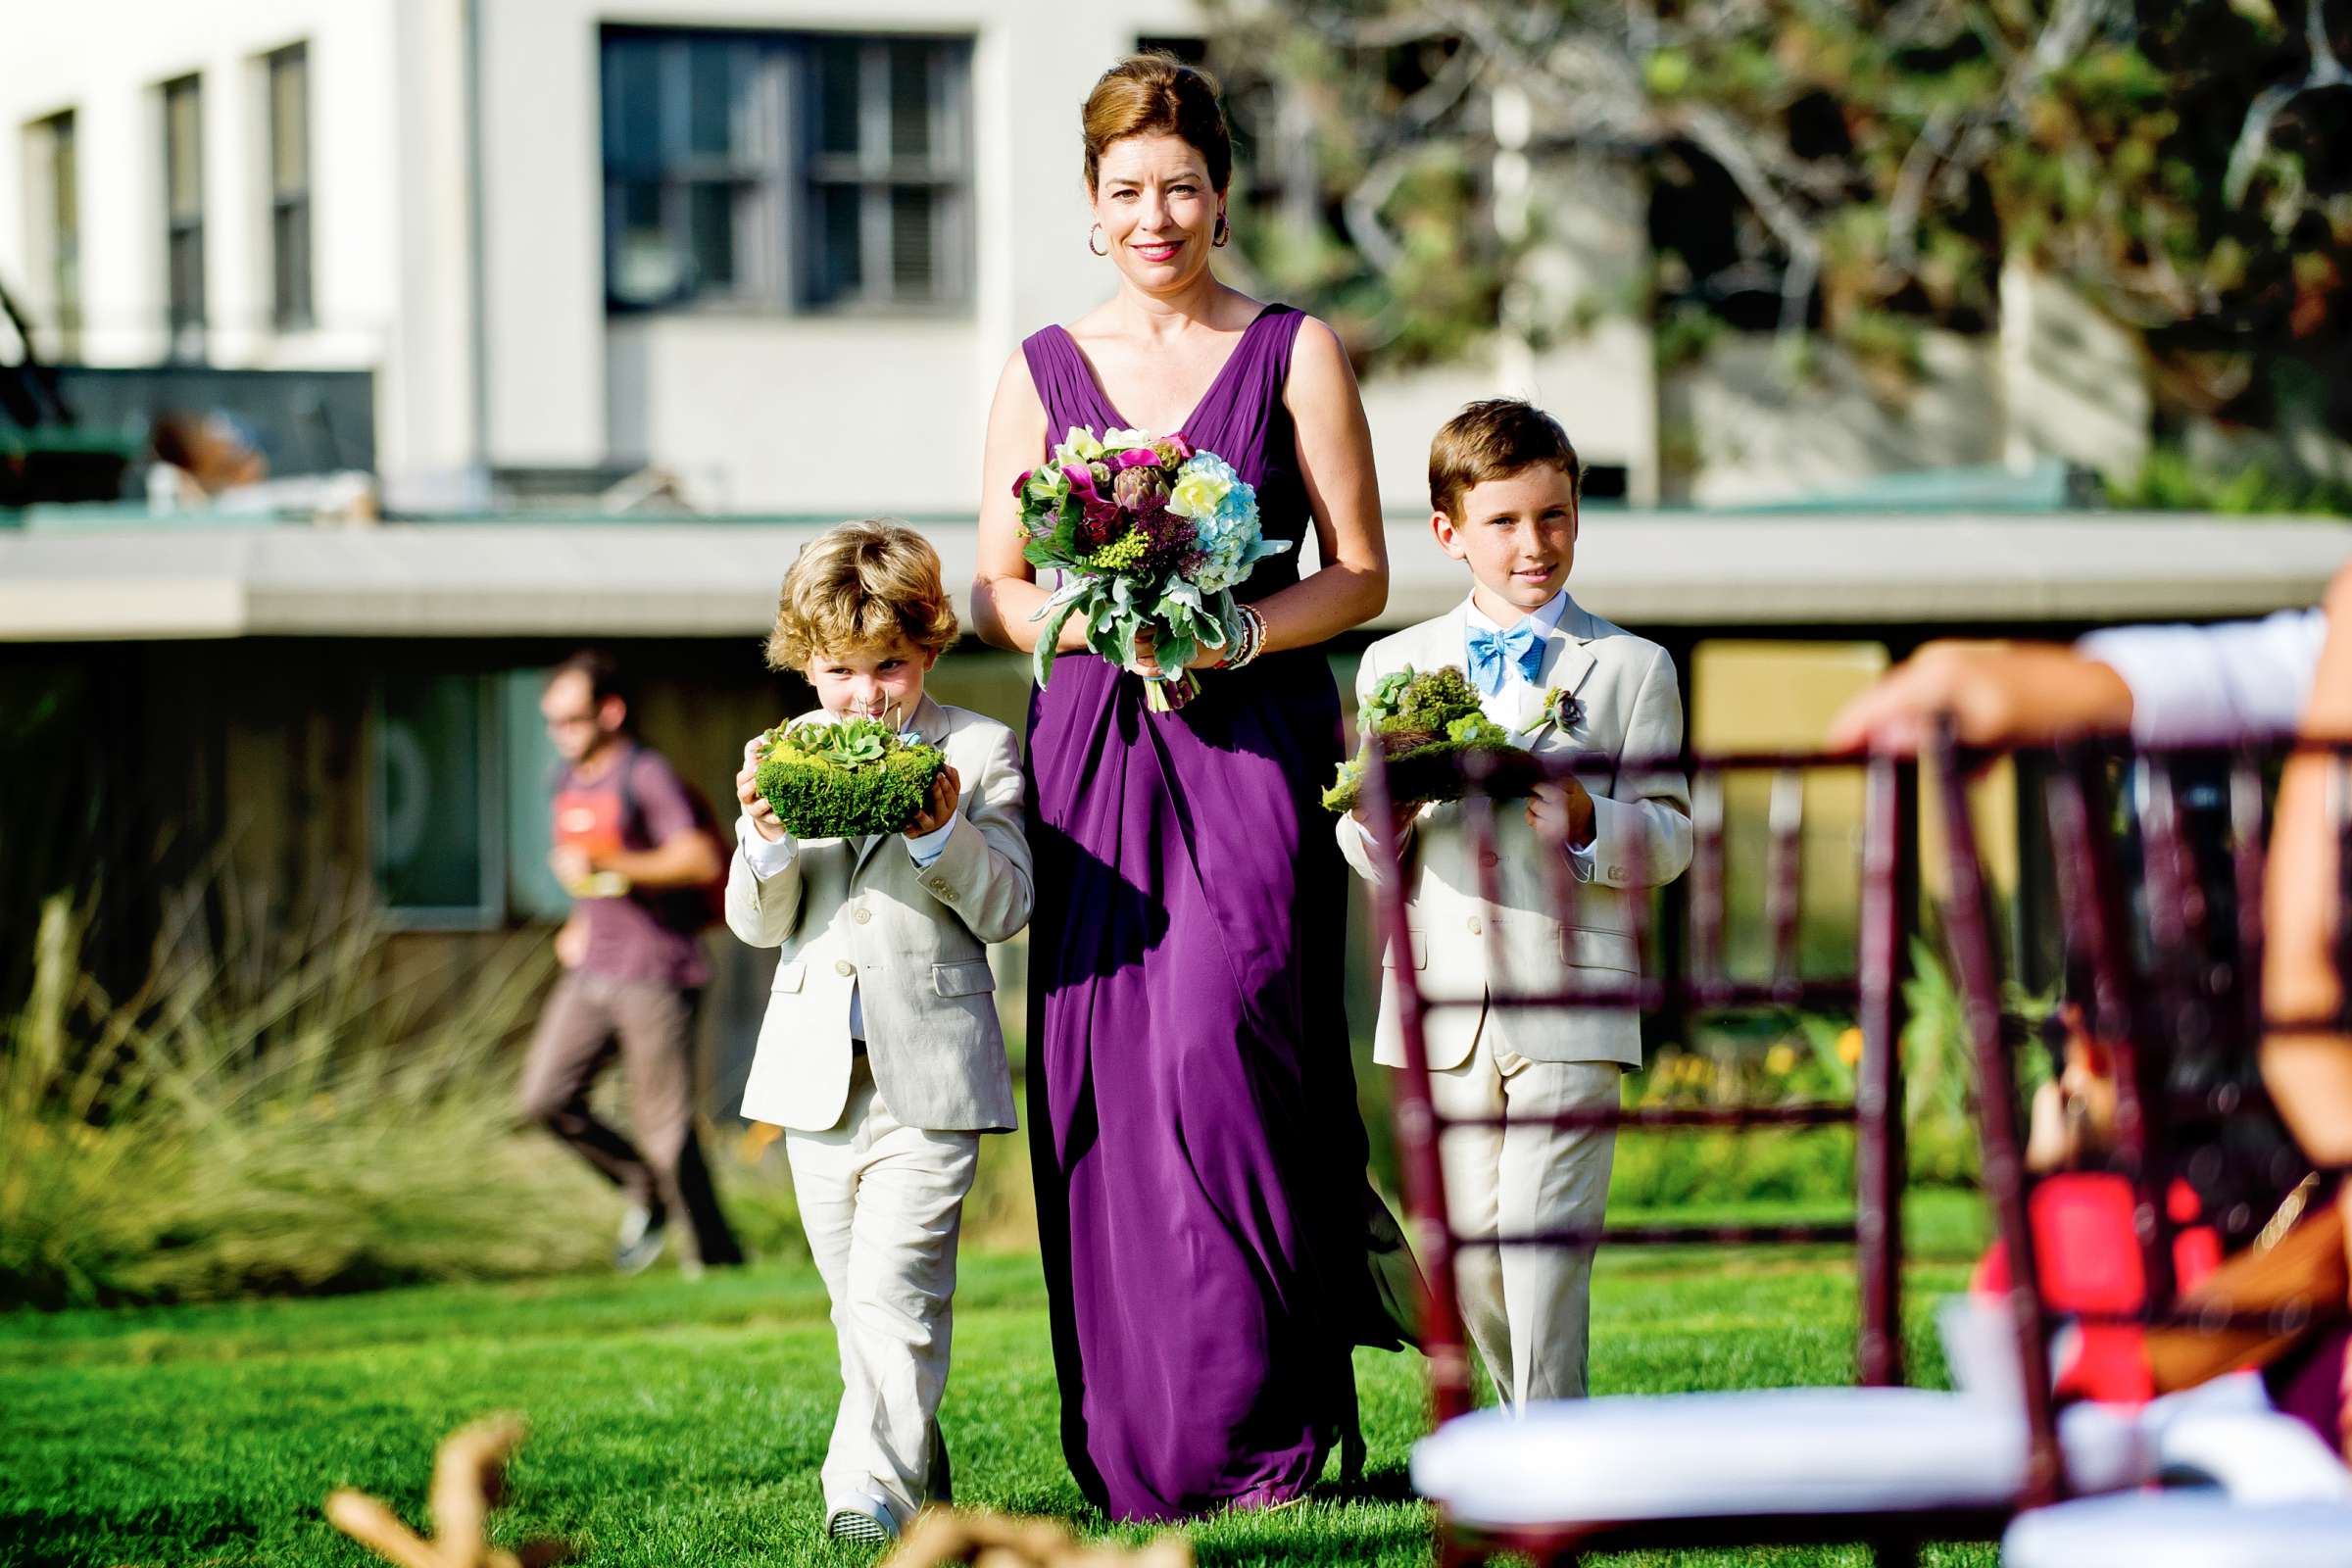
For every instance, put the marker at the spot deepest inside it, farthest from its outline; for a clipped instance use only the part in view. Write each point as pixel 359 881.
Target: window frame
pixel 779 173
pixel 184 316
pixel 293 290
pixel 53 152
pixel 489 911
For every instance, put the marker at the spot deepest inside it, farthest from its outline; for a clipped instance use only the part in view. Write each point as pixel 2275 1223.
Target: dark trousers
pixel 588 1018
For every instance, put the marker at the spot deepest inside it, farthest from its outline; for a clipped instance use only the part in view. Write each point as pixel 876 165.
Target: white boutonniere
pixel 1555 707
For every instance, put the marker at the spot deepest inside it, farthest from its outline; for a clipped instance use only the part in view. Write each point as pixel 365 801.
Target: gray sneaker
pixel 864 1518
pixel 644 1232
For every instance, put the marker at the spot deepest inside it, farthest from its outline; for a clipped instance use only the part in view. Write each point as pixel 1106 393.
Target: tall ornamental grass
pixel 276 1109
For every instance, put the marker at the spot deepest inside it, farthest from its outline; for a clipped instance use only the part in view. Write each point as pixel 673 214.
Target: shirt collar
pixel 1543 618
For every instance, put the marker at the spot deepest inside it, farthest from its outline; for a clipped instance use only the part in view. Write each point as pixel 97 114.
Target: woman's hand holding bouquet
pixel 1150 538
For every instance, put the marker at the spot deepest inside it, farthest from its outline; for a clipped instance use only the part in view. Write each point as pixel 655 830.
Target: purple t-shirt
pixel 647 933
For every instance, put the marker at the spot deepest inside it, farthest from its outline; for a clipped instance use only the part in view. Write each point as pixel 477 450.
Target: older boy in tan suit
pixel 881 1054
pixel 1503 486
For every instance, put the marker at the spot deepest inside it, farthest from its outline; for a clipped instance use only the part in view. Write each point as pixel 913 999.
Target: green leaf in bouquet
pixel 846 780
pixel 1048 639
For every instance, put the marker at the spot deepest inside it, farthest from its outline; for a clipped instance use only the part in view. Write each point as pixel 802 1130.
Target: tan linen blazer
pixel 1641 838
pixel 912 943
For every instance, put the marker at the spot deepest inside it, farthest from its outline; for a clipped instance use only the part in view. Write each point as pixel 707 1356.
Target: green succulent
pixel 846 780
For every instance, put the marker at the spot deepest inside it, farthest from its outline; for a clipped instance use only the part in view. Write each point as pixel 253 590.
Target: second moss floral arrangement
pixel 1424 724
pixel 846 779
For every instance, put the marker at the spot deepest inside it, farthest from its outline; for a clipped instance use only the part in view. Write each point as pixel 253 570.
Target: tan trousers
pixel 882 1205
pixel 1527 1307
pixel 590 1016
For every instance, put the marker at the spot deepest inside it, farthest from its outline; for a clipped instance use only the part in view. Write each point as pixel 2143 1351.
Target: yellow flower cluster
pixel 1121 553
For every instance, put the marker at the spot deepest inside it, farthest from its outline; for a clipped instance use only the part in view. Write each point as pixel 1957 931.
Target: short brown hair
pixel 1155 93
pixel 1494 440
pixel 603 675
pixel 859 586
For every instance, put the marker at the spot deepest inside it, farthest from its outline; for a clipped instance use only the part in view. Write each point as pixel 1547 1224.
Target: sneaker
pixel 866 1519
pixel 644 1232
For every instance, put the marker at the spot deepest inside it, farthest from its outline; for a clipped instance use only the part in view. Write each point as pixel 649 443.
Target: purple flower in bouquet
pixel 1147 535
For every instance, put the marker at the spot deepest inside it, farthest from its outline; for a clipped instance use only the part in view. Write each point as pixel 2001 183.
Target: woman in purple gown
pixel 1192 1110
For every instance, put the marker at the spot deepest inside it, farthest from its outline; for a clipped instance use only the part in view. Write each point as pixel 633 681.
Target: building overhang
pixel 702 578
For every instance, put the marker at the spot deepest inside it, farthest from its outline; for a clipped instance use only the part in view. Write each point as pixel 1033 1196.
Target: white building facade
pixel 781 250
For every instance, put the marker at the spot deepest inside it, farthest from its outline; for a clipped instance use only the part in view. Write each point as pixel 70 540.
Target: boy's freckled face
pixel 1517 534
pixel 885 682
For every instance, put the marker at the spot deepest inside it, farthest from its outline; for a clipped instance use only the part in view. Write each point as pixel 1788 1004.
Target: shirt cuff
pixel 1580 861
pixel 925 848
pixel 764 858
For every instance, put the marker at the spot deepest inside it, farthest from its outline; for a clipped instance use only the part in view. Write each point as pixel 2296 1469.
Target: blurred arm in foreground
pixel 2309 1070
pixel 2163 685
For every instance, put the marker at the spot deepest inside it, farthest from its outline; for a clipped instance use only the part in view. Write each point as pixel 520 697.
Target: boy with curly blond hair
pixel 881 1056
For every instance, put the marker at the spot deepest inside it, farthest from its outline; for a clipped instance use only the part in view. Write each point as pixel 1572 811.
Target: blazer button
pixel 843 967
pixel 1617 871
pixel 1477 926
pixel 1488 858
pixel 862 915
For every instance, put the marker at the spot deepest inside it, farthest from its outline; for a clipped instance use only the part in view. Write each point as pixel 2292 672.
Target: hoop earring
pixel 1090 240
pixel 1224 232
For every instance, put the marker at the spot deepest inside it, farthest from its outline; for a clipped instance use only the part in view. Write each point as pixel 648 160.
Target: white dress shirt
pixel 767 856
pixel 1507 706
pixel 2194 685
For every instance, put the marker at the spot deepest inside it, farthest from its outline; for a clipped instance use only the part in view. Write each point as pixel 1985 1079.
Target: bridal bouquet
pixel 1146 534
pixel 1423 724
pixel 846 779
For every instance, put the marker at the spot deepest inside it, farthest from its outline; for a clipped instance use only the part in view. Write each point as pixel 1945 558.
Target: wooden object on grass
pixel 985 1539
pixel 468 1481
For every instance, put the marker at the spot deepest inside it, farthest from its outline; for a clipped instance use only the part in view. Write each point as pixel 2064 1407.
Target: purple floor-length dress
pixel 1197 1149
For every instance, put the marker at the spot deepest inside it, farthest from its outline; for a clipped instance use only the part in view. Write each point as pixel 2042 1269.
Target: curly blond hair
pixel 859 586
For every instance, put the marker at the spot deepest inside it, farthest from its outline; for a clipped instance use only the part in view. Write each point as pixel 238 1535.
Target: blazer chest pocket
pixel 791 976
pixel 970 978
pixel 1420 941
pixel 1587 948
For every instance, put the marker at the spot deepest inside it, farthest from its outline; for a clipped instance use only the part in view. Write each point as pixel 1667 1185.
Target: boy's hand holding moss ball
pixel 747 790
pixel 940 809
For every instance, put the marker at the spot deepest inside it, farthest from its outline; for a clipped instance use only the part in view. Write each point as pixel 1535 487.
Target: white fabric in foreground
pixel 2180 1530
pixel 1756 1452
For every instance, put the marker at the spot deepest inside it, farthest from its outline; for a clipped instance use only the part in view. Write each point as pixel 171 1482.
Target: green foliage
pixel 1797 1059
pixel 1823 167
pixel 281 1116
pixel 2172 482
pixel 846 780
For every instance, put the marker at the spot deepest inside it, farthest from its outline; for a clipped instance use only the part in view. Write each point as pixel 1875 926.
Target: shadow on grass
pixel 75 1538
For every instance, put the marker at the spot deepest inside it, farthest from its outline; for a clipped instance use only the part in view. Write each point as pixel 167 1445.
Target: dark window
pixel 183 215
pixel 437 824
pixel 785 171
pixel 289 73
pixel 54 162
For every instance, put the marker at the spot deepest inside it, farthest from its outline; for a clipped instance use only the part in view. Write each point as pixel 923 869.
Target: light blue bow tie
pixel 1490 651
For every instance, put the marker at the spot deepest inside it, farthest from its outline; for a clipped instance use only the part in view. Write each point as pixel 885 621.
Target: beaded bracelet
pixel 1249 637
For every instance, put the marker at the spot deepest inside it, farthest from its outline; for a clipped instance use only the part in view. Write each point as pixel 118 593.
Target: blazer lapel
pixel 1566 659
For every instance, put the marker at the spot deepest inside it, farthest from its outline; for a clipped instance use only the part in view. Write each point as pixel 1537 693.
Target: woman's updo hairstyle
pixel 1157 94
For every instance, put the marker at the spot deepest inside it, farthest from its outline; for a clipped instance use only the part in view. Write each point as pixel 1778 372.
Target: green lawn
pixel 677 1422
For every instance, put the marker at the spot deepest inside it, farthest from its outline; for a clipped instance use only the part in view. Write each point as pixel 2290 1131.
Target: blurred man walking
pixel 635 847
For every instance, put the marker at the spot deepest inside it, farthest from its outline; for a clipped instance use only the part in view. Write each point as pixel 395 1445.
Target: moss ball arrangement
pixel 846 779
pixel 1423 726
